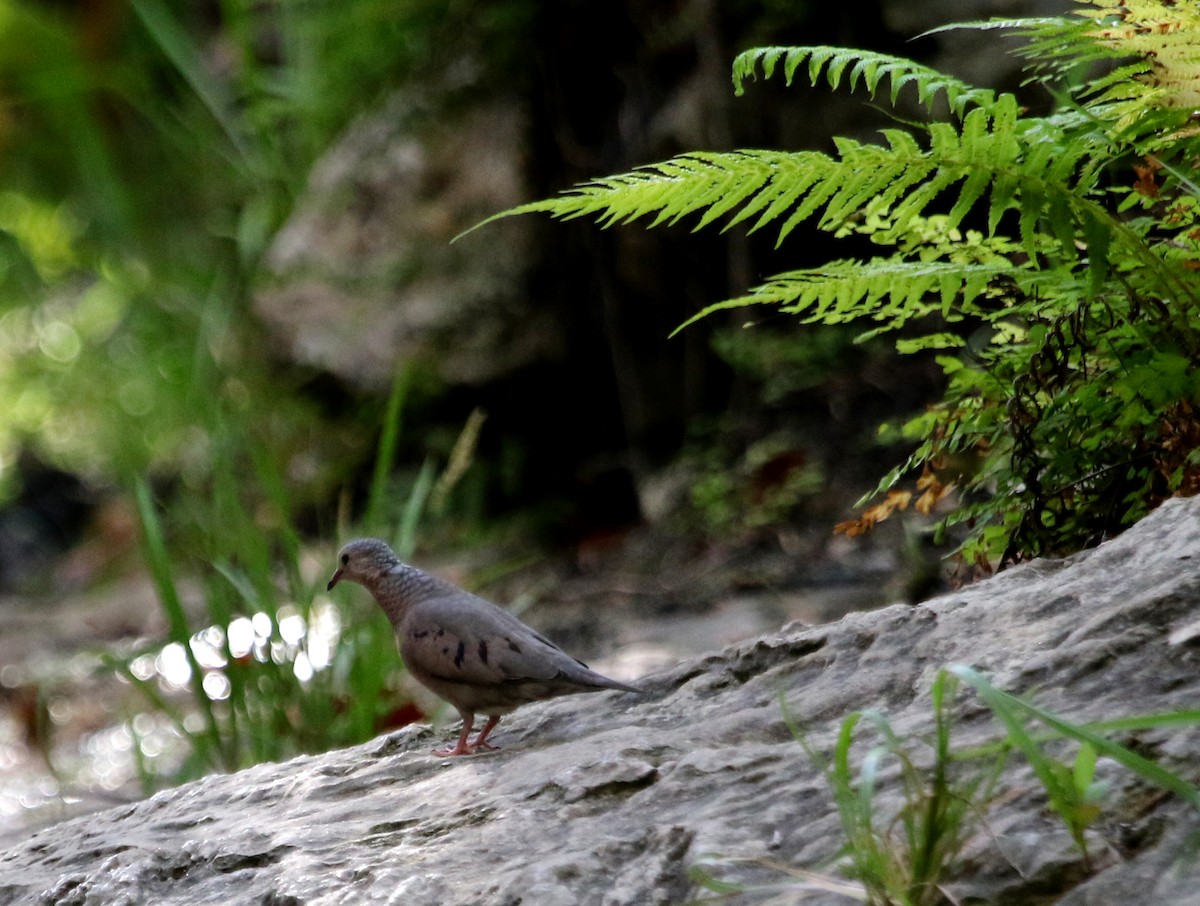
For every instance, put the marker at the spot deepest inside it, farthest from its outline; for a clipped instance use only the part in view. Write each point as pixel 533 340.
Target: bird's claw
pixel 471 749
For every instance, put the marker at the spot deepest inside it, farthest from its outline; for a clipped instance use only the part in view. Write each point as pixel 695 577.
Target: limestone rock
pixel 365 274
pixel 616 802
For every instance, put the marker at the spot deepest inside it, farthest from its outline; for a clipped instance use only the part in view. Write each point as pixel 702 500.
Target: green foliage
pixel 868 68
pixel 148 161
pixel 904 855
pixel 1072 790
pixel 1049 260
pixel 151 152
pixel 737 489
pixel 905 859
pixel 272 667
pixel 272 670
pixel 743 473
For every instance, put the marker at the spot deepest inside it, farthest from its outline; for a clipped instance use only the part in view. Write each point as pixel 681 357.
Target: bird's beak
pixel 334 580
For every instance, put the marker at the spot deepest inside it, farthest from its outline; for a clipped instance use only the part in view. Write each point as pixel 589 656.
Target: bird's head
pixel 363 561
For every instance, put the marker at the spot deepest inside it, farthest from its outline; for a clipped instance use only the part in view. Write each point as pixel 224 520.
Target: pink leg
pixel 480 740
pixel 461 747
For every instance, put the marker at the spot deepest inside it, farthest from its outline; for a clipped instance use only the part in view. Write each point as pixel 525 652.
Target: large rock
pixel 609 799
pixel 365 275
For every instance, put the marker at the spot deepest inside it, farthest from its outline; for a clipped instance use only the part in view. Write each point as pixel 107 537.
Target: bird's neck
pixel 399 587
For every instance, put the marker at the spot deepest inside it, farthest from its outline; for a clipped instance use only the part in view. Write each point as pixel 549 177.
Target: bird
pixel 465 649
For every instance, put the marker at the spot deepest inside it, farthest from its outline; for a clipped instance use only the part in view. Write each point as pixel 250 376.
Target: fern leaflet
pixel 868 67
pixel 890 291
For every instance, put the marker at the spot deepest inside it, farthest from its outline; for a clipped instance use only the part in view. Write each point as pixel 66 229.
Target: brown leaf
pixel 927 501
pixel 1145 183
pixel 933 490
pixel 852 528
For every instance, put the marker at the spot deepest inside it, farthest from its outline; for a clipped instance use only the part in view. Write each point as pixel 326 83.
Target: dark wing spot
pixel 513 645
pixel 458 657
pixel 483 651
pixel 420 635
pixel 440 633
pixel 445 651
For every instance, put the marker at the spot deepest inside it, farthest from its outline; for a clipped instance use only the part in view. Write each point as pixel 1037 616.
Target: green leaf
pixel 866 67
pixel 1008 707
pixel 931 341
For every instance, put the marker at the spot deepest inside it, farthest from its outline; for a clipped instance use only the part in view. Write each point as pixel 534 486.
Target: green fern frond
pixel 1017 164
pixel 1026 24
pixel 864 66
pixel 1053 44
pixel 1166 35
pixel 714 183
pixel 1085 276
pixel 1160 43
pixel 889 291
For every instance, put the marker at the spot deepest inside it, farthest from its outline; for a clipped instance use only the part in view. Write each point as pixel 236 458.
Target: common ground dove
pixel 478 657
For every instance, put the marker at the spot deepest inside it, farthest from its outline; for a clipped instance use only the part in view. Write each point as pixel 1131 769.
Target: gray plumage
pixel 475 655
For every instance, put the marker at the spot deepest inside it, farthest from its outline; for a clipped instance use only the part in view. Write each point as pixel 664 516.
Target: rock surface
pixel 611 800
pixel 365 272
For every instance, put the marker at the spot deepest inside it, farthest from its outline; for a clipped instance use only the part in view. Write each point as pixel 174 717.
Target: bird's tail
pixel 603 682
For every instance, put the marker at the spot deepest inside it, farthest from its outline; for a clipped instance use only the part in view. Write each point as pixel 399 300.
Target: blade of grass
pixel 274 484
pixel 461 457
pixel 1008 706
pixel 939 820
pixel 386 453
pixel 172 39
pixel 1146 721
pixel 159 561
pixel 414 507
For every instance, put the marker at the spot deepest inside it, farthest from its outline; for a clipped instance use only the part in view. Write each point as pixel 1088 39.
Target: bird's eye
pixel 345 559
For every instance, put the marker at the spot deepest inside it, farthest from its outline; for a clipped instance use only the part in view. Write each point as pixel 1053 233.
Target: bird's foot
pixel 461 749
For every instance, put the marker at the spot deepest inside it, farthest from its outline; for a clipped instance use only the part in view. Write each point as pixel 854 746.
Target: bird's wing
pixel 465 639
